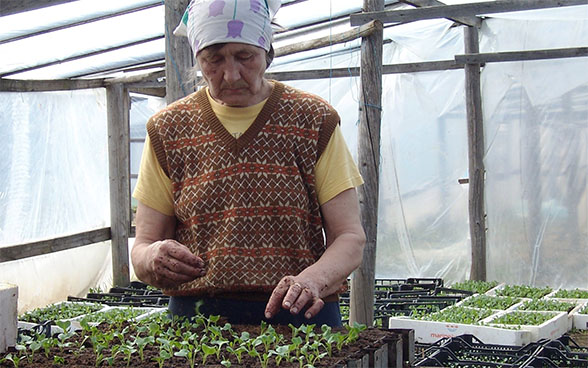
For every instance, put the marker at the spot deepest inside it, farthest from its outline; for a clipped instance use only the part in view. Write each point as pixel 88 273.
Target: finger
pixel 163 274
pixel 298 297
pixel 179 267
pixel 294 292
pixel 315 308
pixel 274 303
pixel 181 252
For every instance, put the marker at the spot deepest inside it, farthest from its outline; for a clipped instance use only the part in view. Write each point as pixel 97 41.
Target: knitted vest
pixel 247 206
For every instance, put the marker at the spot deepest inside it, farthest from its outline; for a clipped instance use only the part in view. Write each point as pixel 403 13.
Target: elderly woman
pixel 247 202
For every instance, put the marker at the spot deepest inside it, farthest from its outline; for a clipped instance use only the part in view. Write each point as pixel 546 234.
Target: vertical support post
pixel 178 54
pixel 362 281
pixel 477 215
pixel 118 105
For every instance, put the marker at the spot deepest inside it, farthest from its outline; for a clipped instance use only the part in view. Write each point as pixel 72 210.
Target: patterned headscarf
pixel 208 22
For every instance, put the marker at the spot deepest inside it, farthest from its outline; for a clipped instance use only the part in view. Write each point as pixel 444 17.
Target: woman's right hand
pixel 170 264
pixel 158 259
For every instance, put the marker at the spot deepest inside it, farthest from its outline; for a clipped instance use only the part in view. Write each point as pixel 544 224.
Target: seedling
pixel 490 302
pixel 547 305
pixel 571 294
pixel 475 286
pixel 524 318
pixel 523 291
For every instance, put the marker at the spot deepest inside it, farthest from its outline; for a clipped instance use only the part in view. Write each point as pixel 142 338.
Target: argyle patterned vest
pixel 247 206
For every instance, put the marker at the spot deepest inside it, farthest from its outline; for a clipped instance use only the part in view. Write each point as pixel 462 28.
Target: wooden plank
pixel 370 110
pixel 156 92
pixel 362 31
pixel 19 85
pixel 458 10
pixel 21 251
pixel 522 55
pixel 8 7
pixel 118 106
pixel 477 216
pixel 468 20
pixel 427 66
pixel 178 54
pixel 156 77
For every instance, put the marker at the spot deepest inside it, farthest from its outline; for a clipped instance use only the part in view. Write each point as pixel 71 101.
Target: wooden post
pixel 118 105
pixel 178 54
pixel 476 158
pixel 370 108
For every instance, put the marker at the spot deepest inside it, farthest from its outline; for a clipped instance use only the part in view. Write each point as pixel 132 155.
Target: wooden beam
pixel 361 31
pixel 426 66
pixel 476 149
pixel 370 110
pixel 467 20
pixel 458 10
pixel 21 251
pixel 157 77
pixel 118 106
pixel 8 7
pixel 178 54
pixel 522 55
pixel 19 85
pixel 156 92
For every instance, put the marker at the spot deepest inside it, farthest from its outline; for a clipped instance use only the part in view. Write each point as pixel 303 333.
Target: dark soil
pixel 369 340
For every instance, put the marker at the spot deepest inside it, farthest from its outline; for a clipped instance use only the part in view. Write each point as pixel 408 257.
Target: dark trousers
pixel 251 312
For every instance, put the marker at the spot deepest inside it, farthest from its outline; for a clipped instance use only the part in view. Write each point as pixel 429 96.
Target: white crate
pixel 551 329
pixel 431 331
pixel 577 302
pixel 579 320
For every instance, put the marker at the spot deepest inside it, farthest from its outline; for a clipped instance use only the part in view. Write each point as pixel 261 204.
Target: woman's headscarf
pixel 208 22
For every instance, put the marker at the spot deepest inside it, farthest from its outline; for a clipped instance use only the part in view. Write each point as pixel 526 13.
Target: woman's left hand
pixel 294 294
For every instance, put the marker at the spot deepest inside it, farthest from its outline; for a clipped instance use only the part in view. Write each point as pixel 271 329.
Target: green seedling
pixel 524 291
pixel 547 305
pixel 571 294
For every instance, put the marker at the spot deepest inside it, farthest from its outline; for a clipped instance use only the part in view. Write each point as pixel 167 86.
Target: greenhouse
pixel 467 120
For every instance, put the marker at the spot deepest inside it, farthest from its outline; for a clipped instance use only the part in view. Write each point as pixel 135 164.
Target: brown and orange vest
pixel 247 206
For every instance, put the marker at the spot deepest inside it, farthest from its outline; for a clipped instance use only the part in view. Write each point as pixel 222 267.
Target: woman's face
pixel 234 73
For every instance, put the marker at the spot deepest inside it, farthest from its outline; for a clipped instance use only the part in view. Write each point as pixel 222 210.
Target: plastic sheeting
pixel 536 127
pixel 54 183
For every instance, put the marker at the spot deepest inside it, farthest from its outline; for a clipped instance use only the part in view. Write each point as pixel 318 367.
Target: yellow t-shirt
pixel 335 170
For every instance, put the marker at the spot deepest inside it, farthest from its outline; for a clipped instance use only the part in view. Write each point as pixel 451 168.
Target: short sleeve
pixel 335 170
pixel 153 188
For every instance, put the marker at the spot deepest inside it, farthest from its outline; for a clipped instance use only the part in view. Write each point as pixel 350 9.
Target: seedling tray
pixel 468 350
pixel 428 332
pixel 47 326
pixel 579 319
pixel 553 328
pixel 149 301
